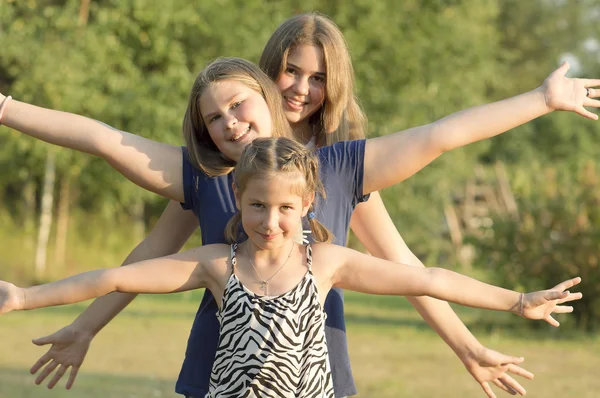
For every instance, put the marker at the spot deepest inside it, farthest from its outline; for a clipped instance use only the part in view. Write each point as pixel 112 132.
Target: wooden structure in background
pixel 469 211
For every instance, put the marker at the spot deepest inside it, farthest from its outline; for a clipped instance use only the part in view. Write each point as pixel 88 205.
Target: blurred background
pixel 520 210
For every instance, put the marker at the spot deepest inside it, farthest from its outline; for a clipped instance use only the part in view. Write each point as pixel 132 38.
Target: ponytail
pixel 232 230
pixel 319 231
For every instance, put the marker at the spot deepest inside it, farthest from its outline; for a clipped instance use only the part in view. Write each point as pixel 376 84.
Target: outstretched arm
pixel 70 344
pixel 374 228
pixel 395 157
pixel 152 165
pixel 363 273
pixel 176 273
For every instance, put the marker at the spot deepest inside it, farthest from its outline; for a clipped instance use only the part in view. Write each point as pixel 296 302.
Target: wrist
pixel 3 102
pixel 471 353
pixel 517 307
pixel 84 328
pixel 542 97
pixel 21 302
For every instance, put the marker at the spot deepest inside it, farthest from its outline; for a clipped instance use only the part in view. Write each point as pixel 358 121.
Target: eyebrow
pixel 320 74
pixel 254 200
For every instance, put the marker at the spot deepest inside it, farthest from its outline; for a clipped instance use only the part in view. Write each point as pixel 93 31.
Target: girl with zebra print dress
pixel 271 290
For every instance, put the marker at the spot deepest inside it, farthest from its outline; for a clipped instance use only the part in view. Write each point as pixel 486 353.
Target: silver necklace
pixel 264 283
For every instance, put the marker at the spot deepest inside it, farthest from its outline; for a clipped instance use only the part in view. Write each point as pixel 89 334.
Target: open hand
pixel 69 348
pixel 570 94
pixel 10 297
pixel 489 366
pixel 542 304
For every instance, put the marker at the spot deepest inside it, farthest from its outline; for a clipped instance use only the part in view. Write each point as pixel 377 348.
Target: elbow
pixel 437 139
pixel 431 281
pixel 108 282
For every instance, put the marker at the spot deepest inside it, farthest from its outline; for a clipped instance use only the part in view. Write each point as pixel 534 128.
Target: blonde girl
pixel 272 334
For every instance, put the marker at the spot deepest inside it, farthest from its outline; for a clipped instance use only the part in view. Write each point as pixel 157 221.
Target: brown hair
pixel 340 117
pixel 203 152
pixel 265 157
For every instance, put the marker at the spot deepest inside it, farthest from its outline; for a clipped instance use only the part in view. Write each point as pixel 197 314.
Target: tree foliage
pixel 131 64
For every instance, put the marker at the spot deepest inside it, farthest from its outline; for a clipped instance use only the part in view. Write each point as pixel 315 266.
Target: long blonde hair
pixel 340 118
pixel 266 157
pixel 203 152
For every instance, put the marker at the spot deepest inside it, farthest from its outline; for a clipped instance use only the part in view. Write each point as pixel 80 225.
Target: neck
pixel 303 131
pixel 266 257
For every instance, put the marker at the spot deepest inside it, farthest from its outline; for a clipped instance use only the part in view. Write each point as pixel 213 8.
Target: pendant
pixel 263 286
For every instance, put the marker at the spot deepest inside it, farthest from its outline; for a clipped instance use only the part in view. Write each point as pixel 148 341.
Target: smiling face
pixel 272 207
pixel 234 115
pixel 302 83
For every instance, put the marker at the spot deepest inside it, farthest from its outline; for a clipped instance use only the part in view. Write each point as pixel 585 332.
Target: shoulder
pixel 214 255
pixel 215 251
pixel 340 149
pixel 328 253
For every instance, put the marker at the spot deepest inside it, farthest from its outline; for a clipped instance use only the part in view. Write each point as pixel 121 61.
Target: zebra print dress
pixel 271 346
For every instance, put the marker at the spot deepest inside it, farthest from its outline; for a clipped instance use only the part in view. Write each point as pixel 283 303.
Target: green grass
pixel 393 352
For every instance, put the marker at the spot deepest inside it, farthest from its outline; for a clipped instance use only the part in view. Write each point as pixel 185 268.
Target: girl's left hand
pixel 563 93
pixel 542 304
pixel 9 297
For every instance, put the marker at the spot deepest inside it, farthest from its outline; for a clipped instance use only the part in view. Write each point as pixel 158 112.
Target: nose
pixel 230 121
pixel 270 220
pixel 301 86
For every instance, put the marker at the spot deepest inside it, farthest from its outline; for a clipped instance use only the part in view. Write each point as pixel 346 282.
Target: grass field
pixel 393 352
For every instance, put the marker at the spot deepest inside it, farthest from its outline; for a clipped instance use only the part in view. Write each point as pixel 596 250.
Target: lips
pixel 268 237
pixel 237 136
pixel 295 104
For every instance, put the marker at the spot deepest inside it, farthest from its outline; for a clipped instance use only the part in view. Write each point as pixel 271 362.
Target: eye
pixel 236 104
pixel 291 71
pixel 257 205
pixel 286 208
pixel 214 118
pixel 319 79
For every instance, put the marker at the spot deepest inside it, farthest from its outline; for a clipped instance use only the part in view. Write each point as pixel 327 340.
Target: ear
pixel 307 202
pixel 236 194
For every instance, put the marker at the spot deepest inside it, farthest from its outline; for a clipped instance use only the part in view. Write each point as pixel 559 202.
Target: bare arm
pixel 362 273
pixel 152 165
pixel 393 158
pixel 176 273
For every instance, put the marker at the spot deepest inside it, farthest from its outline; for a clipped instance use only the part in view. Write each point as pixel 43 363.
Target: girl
pixel 233 107
pixel 272 340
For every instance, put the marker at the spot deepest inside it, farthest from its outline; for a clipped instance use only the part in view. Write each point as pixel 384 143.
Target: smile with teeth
pixel 240 134
pixel 295 103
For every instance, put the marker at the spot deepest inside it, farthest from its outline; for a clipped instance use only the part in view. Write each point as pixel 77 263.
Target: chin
pixel 293 117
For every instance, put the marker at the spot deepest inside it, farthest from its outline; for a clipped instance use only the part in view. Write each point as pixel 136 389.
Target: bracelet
pixel 2 106
pixel 521 297
pixel 518 307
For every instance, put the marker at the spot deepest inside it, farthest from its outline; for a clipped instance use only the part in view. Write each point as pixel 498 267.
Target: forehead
pixel 219 93
pixel 282 186
pixel 307 56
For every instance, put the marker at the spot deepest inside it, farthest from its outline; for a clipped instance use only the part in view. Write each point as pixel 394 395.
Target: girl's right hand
pixel 68 349
pixel 10 297
pixel 542 304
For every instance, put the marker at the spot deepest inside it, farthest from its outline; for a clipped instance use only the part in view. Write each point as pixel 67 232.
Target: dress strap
pixel 309 257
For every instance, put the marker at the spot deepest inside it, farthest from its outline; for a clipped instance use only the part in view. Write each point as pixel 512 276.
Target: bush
pixel 555 237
